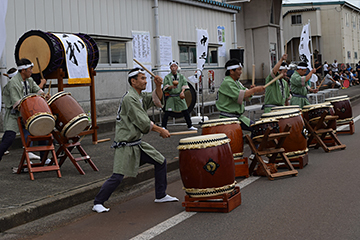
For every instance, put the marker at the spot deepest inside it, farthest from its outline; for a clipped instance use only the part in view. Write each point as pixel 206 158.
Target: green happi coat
pixel 173 101
pixel 13 92
pixel 230 99
pixel 132 123
pixel 298 87
pixel 274 94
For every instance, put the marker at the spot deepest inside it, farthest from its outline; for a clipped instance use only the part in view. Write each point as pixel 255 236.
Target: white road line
pixel 345 126
pixel 171 222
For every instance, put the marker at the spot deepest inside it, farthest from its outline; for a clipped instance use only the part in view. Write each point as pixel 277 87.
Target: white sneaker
pixel 6 152
pixel 47 161
pixel 167 198
pixel 192 128
pixel 99 208
pixel 33 156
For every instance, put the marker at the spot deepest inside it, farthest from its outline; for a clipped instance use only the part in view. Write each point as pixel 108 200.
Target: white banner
pixel 165 51
pixel 221 41
pixel 201 47
pixel 304 50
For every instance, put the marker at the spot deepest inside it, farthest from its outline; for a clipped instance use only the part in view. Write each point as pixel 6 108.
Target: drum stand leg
pixel 351 129
pixel 37 167
pixel 66 147
pixel 225 202
pixel 319 133
pixel 266 148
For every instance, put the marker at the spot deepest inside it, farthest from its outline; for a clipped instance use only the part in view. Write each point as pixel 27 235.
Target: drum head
pixel 220 121
pixel 41 125
pixel 77 127
pixel 190 98
pixel 281 114
pixel 307 108
pixel 338 98
pixel 278 108
pixel 203 141
pixel 37 44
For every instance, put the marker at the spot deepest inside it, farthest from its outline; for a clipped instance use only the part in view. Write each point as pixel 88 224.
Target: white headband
pixel 300 67
pixel 234 66
pixel 282 68
pixel 25 66
pixel 136 73
pixel 173 62
pixel 13 74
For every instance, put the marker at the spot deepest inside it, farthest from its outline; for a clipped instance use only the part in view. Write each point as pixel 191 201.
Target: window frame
pixel 297 18
pixel 192 45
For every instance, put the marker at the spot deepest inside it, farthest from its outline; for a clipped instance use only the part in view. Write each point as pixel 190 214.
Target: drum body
pixel 342 108
pixel 259 127
pixel 295 144
pixel 206 165
pixel 229 126
pixel 314 112
pixel 36 115
pixel 71 119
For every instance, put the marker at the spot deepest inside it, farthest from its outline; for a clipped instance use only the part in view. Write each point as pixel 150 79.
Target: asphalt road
pixel 322 202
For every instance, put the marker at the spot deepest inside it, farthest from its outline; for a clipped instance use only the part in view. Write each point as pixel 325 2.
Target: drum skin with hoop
pixel 50 52
pixel 71 119
pixel 36 114
pixel 206 165
pixel 231 127
pixel 295 144
pixel 313 112
pixel 279 108
pixel 342 108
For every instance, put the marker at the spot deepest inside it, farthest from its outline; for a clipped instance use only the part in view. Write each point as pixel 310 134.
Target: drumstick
pixel 184 132
pixel 321 83
pixel 48 93
pixel 272 81
pixel 41 74
pixel 153 75
pixel 286 47
pixel 5 75
pixel 253 75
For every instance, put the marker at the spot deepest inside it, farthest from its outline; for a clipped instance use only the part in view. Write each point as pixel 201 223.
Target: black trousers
pixel 7 140
pixel 185 114
pixel 114 181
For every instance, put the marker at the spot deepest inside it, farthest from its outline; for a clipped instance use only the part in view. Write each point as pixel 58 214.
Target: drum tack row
pixel 209 163
pixel 61 111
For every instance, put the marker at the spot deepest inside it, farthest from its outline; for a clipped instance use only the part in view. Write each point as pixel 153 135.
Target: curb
pixel 66 199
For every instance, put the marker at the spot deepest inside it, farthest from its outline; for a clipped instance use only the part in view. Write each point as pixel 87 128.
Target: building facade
pixel 335 30
pixel 251 28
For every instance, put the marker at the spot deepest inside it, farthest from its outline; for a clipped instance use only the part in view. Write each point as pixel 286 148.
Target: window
pixel 355 55
pixel 112 52
pixel 347 19
pixel 188 55
pixel 296 19
pixel 349 54
pixel 354 21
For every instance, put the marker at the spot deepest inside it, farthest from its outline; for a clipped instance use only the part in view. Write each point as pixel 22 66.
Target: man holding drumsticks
pixel 132 123
pixel 232 94
pixel 278 93
pixel 175 85
pixel 299 85
pixel 20 85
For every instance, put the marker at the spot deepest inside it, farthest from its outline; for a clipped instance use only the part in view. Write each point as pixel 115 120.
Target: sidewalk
pixel 23 200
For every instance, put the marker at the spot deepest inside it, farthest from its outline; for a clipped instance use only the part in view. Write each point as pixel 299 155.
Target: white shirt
pixel 326 66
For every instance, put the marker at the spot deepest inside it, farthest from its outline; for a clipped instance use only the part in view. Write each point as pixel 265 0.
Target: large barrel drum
pixel 206 165
pixel 295 144
pixel 71 118
pixel 229 126
pixel 48 49
pixel 342 108
pixel 36 115
pixel 313 112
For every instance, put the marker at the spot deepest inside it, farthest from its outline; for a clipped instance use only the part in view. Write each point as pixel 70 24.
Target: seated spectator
pixel 329 82
pixel 348 67
pixel 353 79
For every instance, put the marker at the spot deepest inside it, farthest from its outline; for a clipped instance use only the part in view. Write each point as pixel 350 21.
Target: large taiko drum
pixel 190 98
pixel 71 119
pixel 206 165
pixel 229 126
pixel 49 51
pixel 313 112
pixel 295 144
pixel 36 115
pixel 342 108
